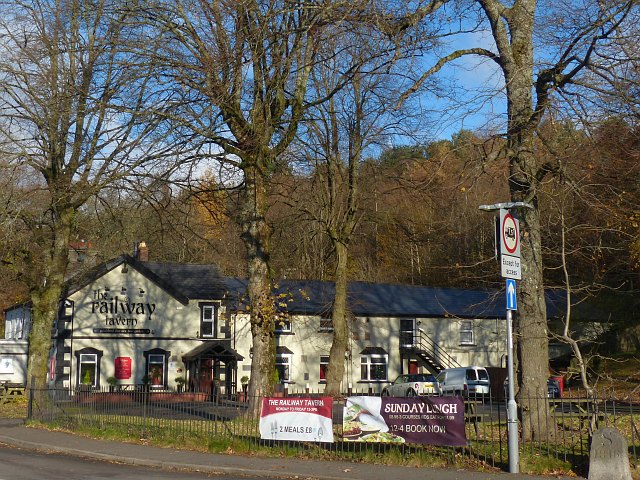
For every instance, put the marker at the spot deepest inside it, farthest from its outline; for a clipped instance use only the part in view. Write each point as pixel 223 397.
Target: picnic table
pixel 10 391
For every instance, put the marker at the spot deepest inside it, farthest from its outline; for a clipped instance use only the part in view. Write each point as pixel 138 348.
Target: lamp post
pixel 513 248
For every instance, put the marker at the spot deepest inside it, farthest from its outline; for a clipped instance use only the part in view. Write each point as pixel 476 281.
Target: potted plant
pixel 112 381
pixel 180 382
pixel 85 383
pixel 146 380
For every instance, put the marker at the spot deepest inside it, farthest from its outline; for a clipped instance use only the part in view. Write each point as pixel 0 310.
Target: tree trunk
pixel 255 234
pixel 515 44
pixel 46 299
pixel 531 334
pixel 339 345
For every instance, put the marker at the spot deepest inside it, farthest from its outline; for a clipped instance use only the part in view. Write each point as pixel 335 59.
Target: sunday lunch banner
pixel 428 420
pixel 304 419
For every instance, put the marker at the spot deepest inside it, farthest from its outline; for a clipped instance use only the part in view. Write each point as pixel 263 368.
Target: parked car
pixel 466 381
pixel 411 385
pixel 553 388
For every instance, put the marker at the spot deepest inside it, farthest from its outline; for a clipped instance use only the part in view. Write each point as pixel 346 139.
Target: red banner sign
pixel 293 418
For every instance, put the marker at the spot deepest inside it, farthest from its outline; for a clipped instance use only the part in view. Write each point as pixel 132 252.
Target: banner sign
pixel 304 419
pixel 428 420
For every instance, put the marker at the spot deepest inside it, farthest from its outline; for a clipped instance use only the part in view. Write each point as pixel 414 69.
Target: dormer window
pixel 208 320
pixel 282 326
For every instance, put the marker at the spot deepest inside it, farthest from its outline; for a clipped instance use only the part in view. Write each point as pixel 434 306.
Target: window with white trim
pixel 156 361
pixel 373 367
pixel 282 325
pixel 466 332
pixel 283 367
pixel 326 325
pixel 208 319
pixel 324 365
pixel 88 366
pixel 156 370
pixel 88 369
pixel 15 328
pixel 19 329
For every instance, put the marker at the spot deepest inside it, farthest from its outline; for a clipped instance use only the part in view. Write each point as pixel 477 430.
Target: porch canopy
pixel 212 367
pixel 213 349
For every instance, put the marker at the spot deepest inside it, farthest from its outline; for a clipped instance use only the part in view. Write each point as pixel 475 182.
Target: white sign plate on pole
pixel 510 267
pixel 509 234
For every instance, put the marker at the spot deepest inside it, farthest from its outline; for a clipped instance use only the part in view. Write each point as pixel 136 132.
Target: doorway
pixel 407 332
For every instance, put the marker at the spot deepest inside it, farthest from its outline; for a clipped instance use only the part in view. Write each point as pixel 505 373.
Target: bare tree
pixel 242 69
pixel 71 123
pixel 530 84
pixel 337 136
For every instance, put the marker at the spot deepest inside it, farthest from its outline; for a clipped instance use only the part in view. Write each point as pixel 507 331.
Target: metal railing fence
pixel 202 420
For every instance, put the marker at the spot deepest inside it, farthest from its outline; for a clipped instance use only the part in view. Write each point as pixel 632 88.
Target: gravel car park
pixel 411 385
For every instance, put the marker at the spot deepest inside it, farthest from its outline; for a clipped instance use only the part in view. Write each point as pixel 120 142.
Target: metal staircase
pixel 417 343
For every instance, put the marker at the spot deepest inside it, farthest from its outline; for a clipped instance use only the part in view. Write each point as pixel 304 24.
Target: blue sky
pixel 480 103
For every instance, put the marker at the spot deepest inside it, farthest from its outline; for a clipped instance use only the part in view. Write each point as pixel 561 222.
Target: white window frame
pixel 212 310
pixel 16 328
pixel 88 359
pixel 367 363
pixel 324 361
pixel 326 325
pixel 284 360
pixel 8 326
pixel 467 336
pixel 283 325
pixel 157 359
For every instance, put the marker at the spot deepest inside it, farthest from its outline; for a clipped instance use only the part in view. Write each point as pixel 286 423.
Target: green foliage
pixel 543 465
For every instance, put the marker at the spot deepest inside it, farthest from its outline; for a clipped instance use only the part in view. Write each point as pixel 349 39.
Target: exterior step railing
pixel 428 350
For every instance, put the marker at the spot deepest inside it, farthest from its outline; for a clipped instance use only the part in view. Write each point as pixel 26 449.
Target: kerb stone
pixel 609 457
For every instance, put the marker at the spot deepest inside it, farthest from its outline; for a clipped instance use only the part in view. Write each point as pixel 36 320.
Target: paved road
pixel 23 464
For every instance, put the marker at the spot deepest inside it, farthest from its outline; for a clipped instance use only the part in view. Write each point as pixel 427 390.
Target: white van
pixel 466 381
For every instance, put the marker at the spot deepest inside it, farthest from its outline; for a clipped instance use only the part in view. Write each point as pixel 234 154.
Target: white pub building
pixel 130 321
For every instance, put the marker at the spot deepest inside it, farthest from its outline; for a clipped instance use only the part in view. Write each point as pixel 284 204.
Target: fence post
pixel 30 403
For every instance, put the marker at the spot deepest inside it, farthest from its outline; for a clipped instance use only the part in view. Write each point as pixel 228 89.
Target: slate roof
pixel 194 281
pixel 183 281
pixel 313 297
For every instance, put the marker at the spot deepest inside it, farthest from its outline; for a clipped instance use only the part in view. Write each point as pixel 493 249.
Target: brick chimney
pixel 143 252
